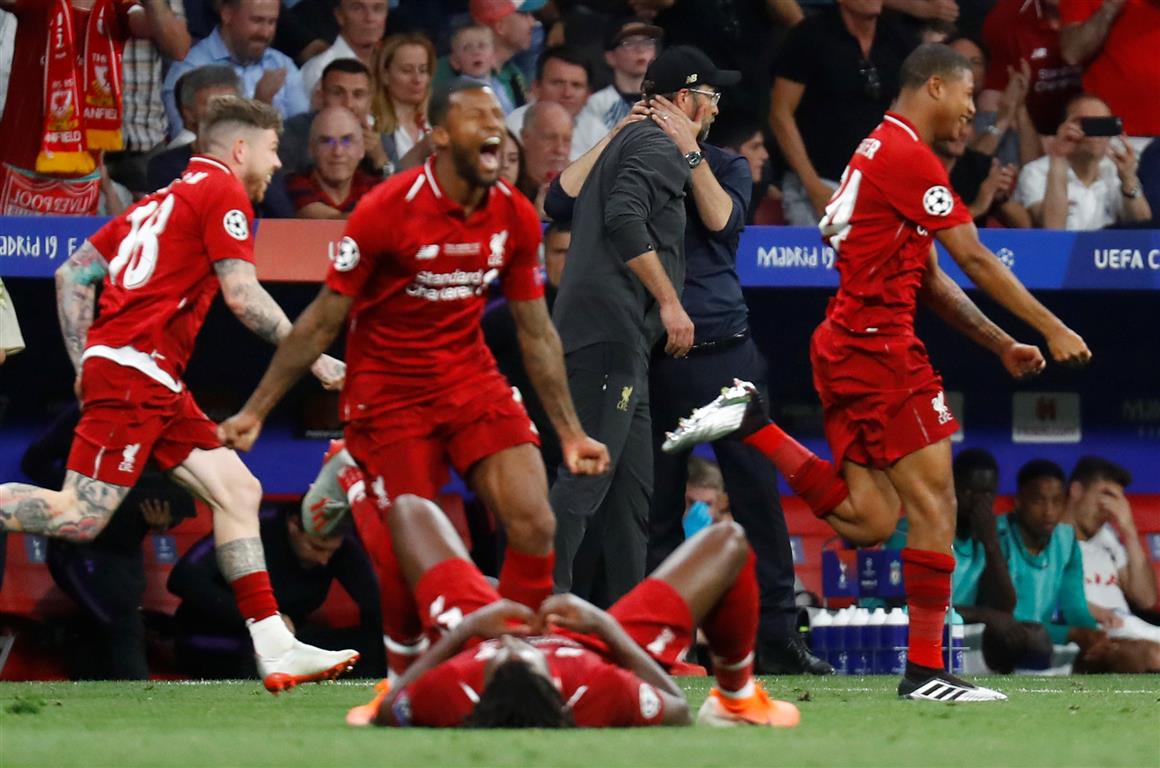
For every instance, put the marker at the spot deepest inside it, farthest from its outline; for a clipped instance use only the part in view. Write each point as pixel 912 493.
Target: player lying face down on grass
pixel 499 664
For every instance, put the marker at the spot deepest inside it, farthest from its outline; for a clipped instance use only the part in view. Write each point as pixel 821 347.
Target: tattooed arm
pixel 544 361
pixel 76 297
pixel 258 311
pixel 947 300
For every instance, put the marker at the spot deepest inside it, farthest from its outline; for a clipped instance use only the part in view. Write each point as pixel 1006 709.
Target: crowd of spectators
pixel 817 77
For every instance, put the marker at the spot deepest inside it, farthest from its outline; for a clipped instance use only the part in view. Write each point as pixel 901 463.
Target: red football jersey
pixel 1125 72
pixel 1017 29
pixel 894 195
pixel 419 271
pixel 161 280
pixel 600 694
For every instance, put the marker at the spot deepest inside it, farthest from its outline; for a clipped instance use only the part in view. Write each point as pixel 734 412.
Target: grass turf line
pixel 846 721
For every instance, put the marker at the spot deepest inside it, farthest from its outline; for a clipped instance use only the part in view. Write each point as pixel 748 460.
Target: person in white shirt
pixel 629 50
pixel 1117 575
pixel 562 76
pixel 1084 182
pixel 361 25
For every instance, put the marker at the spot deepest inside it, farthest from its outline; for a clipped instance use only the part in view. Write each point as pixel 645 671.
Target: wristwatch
pixel 1134 192
pixel 694 158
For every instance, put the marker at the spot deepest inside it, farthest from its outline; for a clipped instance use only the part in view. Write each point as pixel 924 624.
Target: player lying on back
pixel 499 664
pixel 884 410
pixel 162 262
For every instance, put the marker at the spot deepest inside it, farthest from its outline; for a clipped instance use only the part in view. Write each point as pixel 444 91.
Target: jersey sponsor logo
pixel 348 255
pixel 451 286
pixel 129 457
pixel 650 702
pixel 236 225
pixel 939 404
pixel 497 244
pixel 427 252
pixel 938 201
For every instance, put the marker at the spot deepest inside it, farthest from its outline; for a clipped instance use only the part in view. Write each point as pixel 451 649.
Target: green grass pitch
pixel 1091 721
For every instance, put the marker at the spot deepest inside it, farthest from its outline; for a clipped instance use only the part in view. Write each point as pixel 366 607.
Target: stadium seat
pixel 163 550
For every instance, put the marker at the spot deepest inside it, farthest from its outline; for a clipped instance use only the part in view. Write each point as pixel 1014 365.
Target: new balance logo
pixel 129 457
pixel 427 252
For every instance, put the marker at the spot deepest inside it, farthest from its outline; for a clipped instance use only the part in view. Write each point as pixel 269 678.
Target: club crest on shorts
pixel 236 225
pixel 348 255
pixel 939 403
pixel 129 457
pixel 938 201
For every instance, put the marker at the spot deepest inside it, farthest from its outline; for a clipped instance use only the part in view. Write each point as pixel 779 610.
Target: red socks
pixel 731 629
pixel 927 578
pixel 526 578
pixel 813 479
pixel 255 596
pixel 400 614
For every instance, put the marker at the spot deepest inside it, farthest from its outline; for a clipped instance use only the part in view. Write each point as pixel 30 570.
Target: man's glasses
pixel 333 142
pixel 712 96
pixel 637 43
pixel 871 82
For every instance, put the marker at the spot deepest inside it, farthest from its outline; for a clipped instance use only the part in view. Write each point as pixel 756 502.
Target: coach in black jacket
pixel 620 294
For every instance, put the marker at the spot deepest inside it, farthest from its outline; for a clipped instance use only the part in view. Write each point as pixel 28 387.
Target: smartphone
pixel 1101 126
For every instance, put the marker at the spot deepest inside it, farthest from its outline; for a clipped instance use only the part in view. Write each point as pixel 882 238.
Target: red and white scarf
pixel 81 116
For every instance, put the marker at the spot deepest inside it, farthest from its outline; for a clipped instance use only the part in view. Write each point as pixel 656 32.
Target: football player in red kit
pixel 499 664
pixel 422 391
pixel 885 413
pixel 162 262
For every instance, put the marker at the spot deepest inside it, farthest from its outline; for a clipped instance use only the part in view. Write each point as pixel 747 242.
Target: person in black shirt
pixel 984 183
pixel 212 640
pixel 834 78
pixel 716 213
pixel 619 295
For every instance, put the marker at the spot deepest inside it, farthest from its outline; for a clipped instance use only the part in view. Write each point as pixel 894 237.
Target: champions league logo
pixel 938 201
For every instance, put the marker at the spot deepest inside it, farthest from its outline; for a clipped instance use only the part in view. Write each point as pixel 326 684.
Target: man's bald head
pixel 336 144
pixel 547 140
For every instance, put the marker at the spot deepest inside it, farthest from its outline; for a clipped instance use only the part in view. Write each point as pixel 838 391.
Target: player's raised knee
pixel 410 512
pixel 728 538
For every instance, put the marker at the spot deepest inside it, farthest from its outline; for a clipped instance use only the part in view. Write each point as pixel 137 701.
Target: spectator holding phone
pixel 1088 179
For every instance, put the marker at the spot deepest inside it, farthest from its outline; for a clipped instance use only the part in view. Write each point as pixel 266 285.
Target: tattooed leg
pixel 77 513
pixel 240 557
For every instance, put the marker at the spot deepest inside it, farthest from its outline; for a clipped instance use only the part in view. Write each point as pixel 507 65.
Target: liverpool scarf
pixel 80 116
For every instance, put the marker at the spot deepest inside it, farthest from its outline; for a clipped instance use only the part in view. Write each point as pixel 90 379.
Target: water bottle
pixel 860 657
pixel 898 634
pixel 955 653
pixel 878 637
pixel 821 627
pixel 839 636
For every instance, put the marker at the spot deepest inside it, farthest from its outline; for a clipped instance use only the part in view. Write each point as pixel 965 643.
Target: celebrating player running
pixel 162 261
pixel 885 413
pixel 422 389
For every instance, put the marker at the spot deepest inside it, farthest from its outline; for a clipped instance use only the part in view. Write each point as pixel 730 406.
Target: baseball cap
pixel 684 66
pixel 632 28
pixel 490 11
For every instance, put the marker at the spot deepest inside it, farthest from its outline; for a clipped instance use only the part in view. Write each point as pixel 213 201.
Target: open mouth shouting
pixel 489 154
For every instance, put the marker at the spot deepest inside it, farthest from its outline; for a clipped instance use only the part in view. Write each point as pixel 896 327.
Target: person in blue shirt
pixel 720 188
pixel 243 40
pixel 981 587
